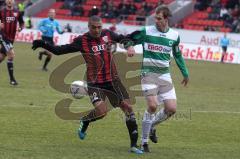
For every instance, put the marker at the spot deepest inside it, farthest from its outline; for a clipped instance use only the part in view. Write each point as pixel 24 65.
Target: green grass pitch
pixel 206 126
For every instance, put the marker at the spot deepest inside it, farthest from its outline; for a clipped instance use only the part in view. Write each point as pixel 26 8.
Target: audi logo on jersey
pixel 98 48
pixel 9 19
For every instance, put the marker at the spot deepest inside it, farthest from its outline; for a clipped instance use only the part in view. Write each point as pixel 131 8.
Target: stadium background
pixel 207 122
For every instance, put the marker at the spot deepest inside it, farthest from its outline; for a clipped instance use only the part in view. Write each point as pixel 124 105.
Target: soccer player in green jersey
pixel 159 42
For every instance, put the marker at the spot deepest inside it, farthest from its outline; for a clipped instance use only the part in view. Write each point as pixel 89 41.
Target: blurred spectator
pixel 223 13
pixel 28 22
pixel 94 11
pixel 232 3
pixel 235 11
pixel 201 4
pixel 235 24
pixel 21 8
pixel 114 12
pixel 68 28
pixel 224 2
pixel 77 10
pixel 237 29
pixel 132 8
pixel 124 10
pixel 120 6
pixel 104 6
pixel 228 22
pixel 141 12
pixel 68 4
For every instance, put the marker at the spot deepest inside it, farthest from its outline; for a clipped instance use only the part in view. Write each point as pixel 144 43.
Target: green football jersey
pixel 158 48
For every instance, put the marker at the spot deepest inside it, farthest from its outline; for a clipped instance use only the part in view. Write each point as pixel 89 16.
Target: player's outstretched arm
pixel 181 65
pixel 75 46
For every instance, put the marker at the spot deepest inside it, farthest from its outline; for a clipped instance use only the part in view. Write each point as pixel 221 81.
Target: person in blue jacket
pixel 48 26
pixel 224 44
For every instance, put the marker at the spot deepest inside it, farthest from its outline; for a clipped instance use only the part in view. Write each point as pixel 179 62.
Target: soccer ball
pixel 78 89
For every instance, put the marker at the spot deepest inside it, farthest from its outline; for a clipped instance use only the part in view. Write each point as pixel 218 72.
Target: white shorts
pixel 159 85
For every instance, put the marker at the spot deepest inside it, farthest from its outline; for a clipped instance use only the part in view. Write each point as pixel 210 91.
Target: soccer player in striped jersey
pixel 159 42
pixel 8 19
pixel 102 77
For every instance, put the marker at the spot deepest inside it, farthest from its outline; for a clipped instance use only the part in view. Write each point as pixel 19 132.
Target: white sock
pixel 146 126
pixel 160 117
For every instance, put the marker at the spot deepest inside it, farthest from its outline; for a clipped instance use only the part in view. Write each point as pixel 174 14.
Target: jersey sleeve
pixel 135 38
pixel 75 46
pixel 179 59
pixel 41 26
pixel 58 28
pixel 117 37
pixel 138 36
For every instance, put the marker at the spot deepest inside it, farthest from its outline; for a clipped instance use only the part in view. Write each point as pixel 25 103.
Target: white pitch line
pixel 228 112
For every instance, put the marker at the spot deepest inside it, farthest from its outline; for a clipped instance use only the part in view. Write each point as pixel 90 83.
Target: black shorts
pixel 49 40
pixel 224 48
pixel 115 91
pixel 6 46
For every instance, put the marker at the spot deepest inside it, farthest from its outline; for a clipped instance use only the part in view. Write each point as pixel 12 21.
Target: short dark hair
pixel 94 18
pixel 164 10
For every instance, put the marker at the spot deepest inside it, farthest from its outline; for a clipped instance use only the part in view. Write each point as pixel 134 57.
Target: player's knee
pixel 101 112
pixel 171 110
pixel 11 56
pixel 49 56
pixel 152 107
pixel 126 107
pixel 101 109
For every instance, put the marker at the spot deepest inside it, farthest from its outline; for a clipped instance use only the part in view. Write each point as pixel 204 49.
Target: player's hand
pixel 37 43
pixel 19 29
pixel 185 81
pixel 130 51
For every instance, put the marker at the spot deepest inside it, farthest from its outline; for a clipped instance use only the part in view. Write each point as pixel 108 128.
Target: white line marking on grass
pixel 228 112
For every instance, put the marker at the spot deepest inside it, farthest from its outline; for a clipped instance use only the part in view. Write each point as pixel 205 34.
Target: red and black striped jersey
pixel 96 53
pixel 10 18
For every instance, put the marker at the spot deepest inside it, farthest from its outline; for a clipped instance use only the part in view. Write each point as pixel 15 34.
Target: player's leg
pixel 169 109
pixel 97 98
pixel 224 50
pixel 2 56
pixel 121 98
pixel 131 124
pixel 95 114
pixel 48 54
pixel 167 96
pixel 10 66
pixel 150 90
pixel 47 60
pixel 147 120
pixel 41 53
